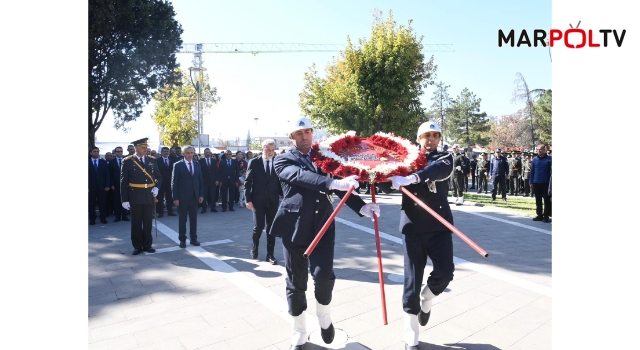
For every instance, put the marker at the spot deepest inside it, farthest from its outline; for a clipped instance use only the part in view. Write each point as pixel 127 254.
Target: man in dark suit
pixel 228 178
pixel 262 190
pixel 306 206
pixel 99 183
pixel 139 182
pixel 187 188
pixel 165 166
pixel 114 170
pixel 210 175
pixel 499 171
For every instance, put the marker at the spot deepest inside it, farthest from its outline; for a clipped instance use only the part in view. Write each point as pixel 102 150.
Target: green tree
pixel 176 109
pixel 132 45
pixel 542 119
pixel 441 105
pixel 373 86
pixel 465 123
pixel 249 141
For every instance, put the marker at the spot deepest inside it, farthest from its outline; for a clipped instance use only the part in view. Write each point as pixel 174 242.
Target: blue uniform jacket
pixel 305 206
pixel 540 170
pixel 439 167
pixel 499 166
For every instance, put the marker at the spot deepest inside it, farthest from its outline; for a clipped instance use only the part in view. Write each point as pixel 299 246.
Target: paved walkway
pixel 217 297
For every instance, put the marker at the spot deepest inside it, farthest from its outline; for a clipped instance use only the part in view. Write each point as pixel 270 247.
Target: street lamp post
pixel 196 81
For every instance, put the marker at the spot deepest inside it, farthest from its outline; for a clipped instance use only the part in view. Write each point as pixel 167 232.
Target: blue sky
pixel 266 86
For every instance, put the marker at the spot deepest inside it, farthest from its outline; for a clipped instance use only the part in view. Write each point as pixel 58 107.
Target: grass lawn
pixel 525 205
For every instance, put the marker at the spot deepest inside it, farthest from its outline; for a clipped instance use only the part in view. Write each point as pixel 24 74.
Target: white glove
pixel 154 191
pixel 369 209
pixel 344 184
pixel 126 205
pixel 399 181
pixel 458 168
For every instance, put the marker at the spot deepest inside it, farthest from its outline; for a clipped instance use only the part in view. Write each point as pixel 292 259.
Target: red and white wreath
pixel 373 159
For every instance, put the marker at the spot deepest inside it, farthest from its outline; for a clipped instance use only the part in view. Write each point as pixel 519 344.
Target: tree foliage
pixel 465 123
pixel 176 109
pixel 131 54
pixel 372 86
pixel 542 117
pixel 510 130
pixel 522 93
pixel 441 106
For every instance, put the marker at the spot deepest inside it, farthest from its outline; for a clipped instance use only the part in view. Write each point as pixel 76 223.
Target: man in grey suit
pixel 188 190
pixel 262 190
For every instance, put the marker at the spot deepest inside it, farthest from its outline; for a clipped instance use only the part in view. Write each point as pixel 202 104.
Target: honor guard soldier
pixel 466 169
pixel 139 181
pixel 306 205
pixel 473 165
pixel 526 169
pixel 423 235
pixel 514 174
pixel 458 176
pixel 499 171
pixel 483 171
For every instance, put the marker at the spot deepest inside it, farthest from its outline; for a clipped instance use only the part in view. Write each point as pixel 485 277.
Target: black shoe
pixel 92 222
pixel 546 220
pixel 423 318
pixel 171 214
pixel 104 221
pixel 137 251
pixel 493 199
pixel 537 218
pixel 231 209
pixel 411 347
pixel 183 245
pixel 254 255
pixel 160 215
pixel 224 209
pixel 149 250
pixel 213 210
pixel 116 220
pixel 271 259
pixel 504 200
pixel 328 334
pixel 485 192
pixel 203 211
pixel 124 218
pixel 195 242
pixel 297 347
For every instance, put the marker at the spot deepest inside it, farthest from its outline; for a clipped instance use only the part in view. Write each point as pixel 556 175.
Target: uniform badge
pixel 446 161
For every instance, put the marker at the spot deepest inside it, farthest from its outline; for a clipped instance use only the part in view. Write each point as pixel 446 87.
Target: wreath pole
pixel 380 273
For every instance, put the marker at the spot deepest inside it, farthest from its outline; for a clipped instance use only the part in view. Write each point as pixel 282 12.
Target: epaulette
pixel 127 158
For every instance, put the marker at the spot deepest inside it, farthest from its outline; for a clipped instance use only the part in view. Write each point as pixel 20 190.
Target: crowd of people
pixel 292 198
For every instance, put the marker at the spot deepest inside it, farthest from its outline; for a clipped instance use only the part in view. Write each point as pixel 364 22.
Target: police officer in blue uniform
pixel 423 235
pixel 499 171
pixel 306 205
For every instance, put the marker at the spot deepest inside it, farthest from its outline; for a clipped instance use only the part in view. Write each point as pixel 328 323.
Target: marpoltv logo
pixel 580 37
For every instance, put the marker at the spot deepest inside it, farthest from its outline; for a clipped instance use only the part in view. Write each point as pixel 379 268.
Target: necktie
pixel 95 164
pixel 268 170
pixel 229 163
pixel 119 163
pixel 166 162
pixel 190 169
pixel 208 164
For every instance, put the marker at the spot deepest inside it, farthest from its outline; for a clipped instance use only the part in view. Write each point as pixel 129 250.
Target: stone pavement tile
pixel 192 280
pixel 443 335
pixel 460 272
pixel 218 346
pixel 349 294
pixel 109 274
pixel 168 277
pixel 261 338
pixel 495 287
pixel 350 309
pixel 479 318
pixel 215 334
pixel 543 303
pixel 170 330
pixel 467 283
pixel 355 326
pixel 511 301
pixel 235 313
pixel 468 300
pixel 169 344
pixel 203 291
pixel 237 299
pixel 131 264
pixel 124 342
pixel 526 319
pixel 109 257
pixel 110 288
pixel 97 309
pixel 126 327
pixel 192 310
pixel 441 313
pixel 266 319
pixel 123 278
pixel 154 308
pixel 382 336
pixel 375 317
pixel 107 319
pixel 540 339
pixel 102 298
pixel 99 282
pixel 500 336
pixel 129 292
